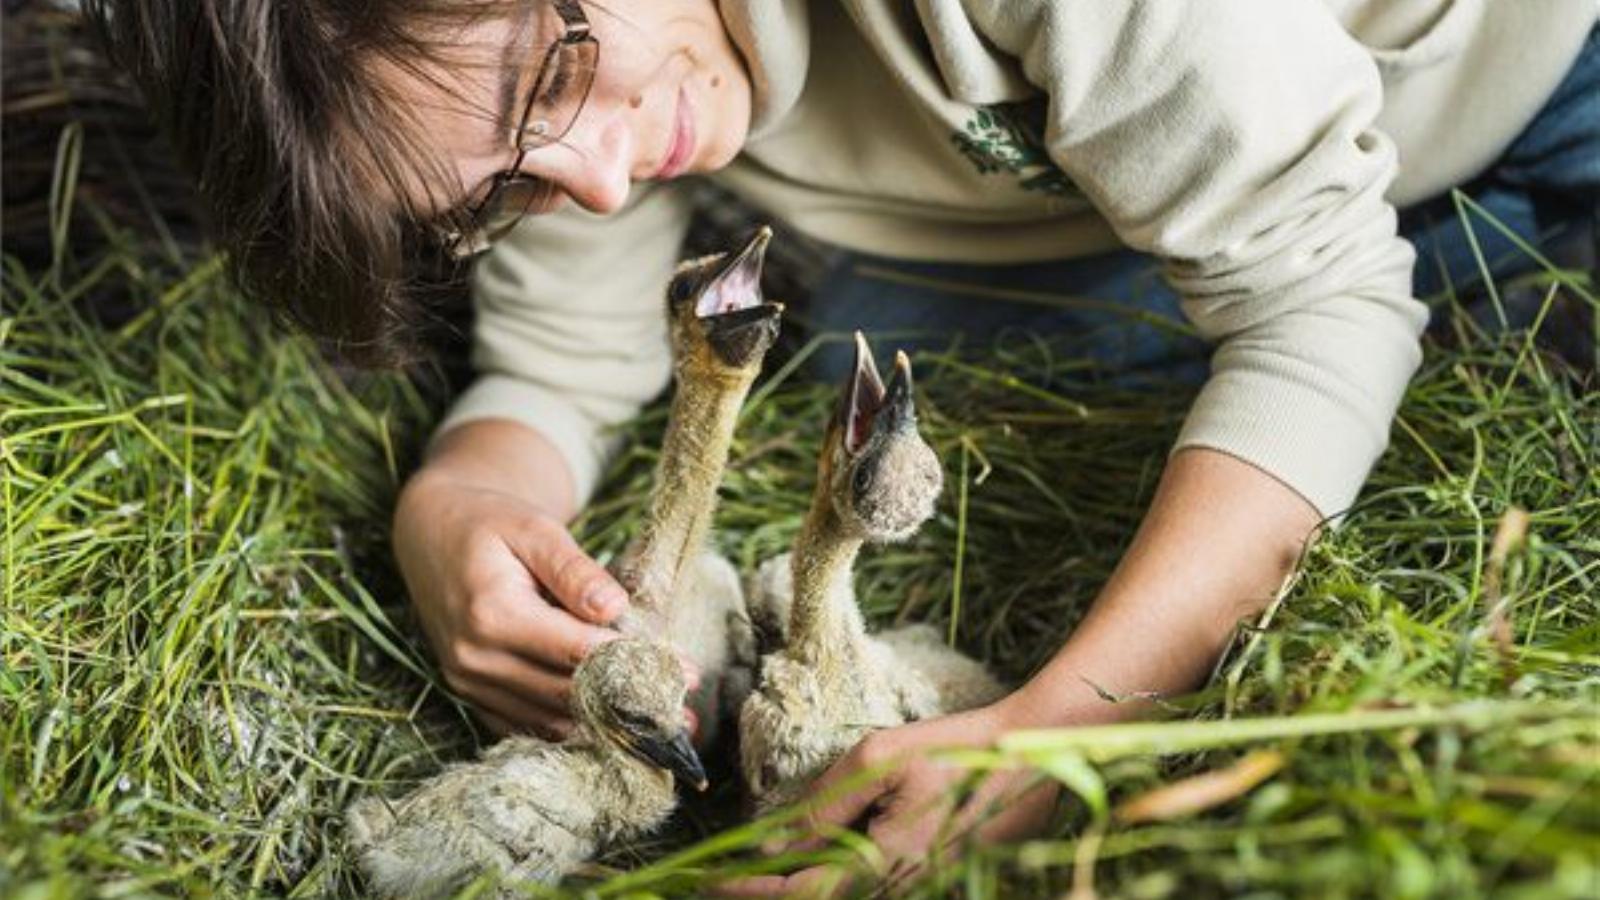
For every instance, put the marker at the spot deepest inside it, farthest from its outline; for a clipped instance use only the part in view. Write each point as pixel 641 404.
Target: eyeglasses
pixel 560 88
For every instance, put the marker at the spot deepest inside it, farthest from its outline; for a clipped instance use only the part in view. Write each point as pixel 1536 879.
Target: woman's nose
pixel 594 170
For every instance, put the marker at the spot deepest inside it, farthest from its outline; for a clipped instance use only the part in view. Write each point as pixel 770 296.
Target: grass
pixel 205 654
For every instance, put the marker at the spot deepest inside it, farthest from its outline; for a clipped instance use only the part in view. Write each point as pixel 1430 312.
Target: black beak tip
pixel 901 376
pixel 676 755
pixel 863 361
pixel 899 408
pixel 690 769
pixel 757 247
pixel 864 379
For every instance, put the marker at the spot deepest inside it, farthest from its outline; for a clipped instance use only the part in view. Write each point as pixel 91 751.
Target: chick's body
pixel 798 721
pixel 528 809
pixel 927 675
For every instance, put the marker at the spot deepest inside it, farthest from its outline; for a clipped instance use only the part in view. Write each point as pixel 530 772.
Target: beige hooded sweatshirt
pixel 1251 145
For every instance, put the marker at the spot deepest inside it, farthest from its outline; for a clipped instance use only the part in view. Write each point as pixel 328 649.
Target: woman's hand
pixel 507 598
pixel 908 809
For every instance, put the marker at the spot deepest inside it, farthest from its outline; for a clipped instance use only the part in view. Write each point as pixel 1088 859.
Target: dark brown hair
pixel 307 167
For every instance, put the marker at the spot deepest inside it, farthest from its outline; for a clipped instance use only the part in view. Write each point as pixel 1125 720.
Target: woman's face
pixel 670 96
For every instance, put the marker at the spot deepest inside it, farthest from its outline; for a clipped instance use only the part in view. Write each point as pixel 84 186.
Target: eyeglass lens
pixel 553 107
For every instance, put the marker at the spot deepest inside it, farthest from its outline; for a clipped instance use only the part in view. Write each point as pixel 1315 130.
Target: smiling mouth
pixel 682 147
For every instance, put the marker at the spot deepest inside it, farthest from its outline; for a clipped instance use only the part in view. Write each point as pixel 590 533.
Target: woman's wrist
pixel 1214 548
pixel 1049 700
pixel 502 456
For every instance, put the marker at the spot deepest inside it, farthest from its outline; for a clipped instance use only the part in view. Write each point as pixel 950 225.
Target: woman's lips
pixel 682 148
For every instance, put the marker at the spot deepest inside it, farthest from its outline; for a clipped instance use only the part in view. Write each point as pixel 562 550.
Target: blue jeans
pixel 1545 188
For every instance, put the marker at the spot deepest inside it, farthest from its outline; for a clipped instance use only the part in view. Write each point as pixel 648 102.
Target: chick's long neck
pixel 694 452
pixel 825 626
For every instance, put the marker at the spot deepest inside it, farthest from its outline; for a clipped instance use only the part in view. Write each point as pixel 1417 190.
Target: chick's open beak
pixel 740 323
pixel 736 285
pixel 862 399
pixel 675 754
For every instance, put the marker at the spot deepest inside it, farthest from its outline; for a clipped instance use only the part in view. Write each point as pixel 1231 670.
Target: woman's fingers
pixel 1023 808
pixel 534 629
pixel 512 687
pixel 851 786
pixel 815 883
pixel 501 590
pixel 514 712
pixel 500 727
pixel 568 575
pixel 549 690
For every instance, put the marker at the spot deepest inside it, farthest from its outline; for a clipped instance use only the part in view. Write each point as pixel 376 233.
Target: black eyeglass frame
pixel 477 236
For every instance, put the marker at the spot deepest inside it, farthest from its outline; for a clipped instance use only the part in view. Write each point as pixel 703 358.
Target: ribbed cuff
pixel 1284 419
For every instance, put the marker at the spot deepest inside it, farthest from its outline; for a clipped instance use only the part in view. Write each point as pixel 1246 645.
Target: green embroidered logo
pixel 1007 138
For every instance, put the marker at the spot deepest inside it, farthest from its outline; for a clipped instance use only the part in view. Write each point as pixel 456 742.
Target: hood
pixel 774 39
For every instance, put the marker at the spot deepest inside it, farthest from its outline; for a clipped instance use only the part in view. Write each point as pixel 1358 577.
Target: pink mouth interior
pixel 731 292
pixel 866 399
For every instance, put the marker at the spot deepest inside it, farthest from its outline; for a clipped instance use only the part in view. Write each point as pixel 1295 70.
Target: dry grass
pixel 205 655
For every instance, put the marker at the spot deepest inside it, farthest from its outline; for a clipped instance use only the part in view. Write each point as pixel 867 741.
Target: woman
pixel 1249 147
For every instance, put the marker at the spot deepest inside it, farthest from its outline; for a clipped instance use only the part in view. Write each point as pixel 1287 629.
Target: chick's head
pixel 881 476
pixel 631 692
pixel 717 317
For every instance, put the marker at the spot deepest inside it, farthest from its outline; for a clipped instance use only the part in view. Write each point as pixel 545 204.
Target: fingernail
pixel 605 601
pixel 691 672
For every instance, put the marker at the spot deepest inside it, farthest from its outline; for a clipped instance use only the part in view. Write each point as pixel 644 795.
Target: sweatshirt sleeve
pixel 570 334
pixel 1234 140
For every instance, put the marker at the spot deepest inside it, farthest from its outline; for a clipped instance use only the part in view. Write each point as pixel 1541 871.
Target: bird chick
pixel 720 329
pixel 534 810
pixel 831 683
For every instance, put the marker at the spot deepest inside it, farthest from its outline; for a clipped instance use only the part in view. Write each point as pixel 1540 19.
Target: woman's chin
pixel 726 136
pixel 721 154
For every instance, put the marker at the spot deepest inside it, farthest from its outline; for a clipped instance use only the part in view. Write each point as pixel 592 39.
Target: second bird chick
pixel 830 683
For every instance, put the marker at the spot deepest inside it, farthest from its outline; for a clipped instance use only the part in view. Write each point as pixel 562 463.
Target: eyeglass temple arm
pixel 577 24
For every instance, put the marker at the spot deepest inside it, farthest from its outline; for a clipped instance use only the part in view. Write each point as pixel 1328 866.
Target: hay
pixel 205 653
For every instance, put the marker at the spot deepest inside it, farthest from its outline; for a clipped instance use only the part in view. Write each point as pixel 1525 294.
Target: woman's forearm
pixel 507 457
pixel 1214 547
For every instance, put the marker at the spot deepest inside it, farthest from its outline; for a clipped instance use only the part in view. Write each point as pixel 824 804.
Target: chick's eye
pixel 633 719
pixel 680 290
pixel 861 480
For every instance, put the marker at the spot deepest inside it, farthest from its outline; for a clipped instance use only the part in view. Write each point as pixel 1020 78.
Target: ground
pixel 205 654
